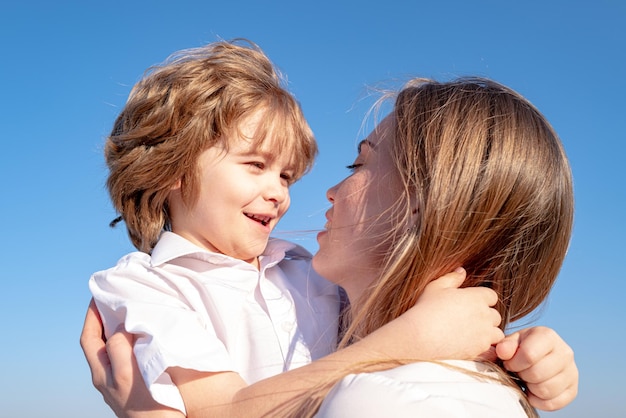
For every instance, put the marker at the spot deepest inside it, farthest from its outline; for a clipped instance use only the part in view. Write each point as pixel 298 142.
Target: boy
pixel 210 108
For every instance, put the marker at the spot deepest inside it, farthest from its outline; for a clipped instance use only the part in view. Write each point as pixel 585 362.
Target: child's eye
pixel 257 164
pixel 288 177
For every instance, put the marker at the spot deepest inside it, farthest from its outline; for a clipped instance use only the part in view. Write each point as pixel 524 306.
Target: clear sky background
pixel 67 68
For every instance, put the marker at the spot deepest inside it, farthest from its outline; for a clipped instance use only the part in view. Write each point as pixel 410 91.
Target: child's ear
pixel 177 185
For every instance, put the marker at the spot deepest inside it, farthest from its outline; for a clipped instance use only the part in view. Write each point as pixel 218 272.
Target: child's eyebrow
pixel 266 155
pixel 254 150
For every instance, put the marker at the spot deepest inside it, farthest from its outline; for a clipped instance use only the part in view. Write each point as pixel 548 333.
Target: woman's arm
pixel 114 371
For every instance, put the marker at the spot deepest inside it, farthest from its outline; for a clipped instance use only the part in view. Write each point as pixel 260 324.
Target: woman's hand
pixel 114 371
pixel 545 362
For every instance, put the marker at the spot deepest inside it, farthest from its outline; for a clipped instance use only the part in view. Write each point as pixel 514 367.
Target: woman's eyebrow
pixel 365 142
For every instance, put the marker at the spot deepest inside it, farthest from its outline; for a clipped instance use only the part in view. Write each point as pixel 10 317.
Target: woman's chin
pixel 320 265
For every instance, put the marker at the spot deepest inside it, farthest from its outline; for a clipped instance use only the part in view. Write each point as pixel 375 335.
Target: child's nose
pixel 276 191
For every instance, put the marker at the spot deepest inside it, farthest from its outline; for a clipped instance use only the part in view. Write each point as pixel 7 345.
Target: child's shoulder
pixel 134 258
pixel 130 264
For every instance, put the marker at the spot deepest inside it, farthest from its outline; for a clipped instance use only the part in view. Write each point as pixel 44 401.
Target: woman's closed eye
pixel 353 167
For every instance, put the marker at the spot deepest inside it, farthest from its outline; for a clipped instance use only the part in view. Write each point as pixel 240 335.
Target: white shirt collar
pixel 171 246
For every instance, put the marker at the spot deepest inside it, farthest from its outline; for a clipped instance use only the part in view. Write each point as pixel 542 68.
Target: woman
pixel 408 222
pixel 461 173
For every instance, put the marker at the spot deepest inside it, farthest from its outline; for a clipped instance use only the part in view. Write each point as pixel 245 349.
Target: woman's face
pixel 359 223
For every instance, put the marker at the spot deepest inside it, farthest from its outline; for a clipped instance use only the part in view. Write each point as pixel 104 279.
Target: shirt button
pixel 287 326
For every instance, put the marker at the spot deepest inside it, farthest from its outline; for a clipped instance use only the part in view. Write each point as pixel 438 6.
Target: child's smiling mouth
pixel 262 219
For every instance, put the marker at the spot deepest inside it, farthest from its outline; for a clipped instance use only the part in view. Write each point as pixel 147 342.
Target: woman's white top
pixel 210 312
pixel 423 389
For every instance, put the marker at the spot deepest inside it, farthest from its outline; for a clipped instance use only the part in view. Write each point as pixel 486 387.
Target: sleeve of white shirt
pixel 374 395
pixel 169 332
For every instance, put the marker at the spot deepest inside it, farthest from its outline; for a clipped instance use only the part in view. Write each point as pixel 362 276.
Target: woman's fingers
pixel 94 346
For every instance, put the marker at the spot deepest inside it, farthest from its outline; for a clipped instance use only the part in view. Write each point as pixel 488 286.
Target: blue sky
pixel 66 71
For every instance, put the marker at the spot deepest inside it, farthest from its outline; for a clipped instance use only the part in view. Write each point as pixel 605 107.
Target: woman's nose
pixel 330 193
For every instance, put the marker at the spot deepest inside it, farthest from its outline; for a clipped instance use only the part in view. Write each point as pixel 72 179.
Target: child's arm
pixel 225 394
pixel 113 376
pixel 447 322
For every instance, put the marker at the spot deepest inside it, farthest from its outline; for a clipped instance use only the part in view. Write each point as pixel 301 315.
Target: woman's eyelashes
pixel 354 166
pixel 360 159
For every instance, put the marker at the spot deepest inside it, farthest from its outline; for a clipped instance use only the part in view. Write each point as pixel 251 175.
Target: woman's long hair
pixel 494 194
pixel 493 190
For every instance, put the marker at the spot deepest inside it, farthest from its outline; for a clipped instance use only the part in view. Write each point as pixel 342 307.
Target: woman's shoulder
pixel 433 389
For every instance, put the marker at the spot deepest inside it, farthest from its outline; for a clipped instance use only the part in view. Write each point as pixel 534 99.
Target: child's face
pixel 243 193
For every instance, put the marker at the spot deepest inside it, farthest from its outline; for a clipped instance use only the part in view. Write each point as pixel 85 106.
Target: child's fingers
pixel 485 294
pixel 450 280
pixel 497 319
pixel 507 348
pixel 533 345
pixel 497 335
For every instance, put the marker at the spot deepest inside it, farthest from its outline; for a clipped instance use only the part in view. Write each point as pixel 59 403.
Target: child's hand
pixel 453 323
pixel 545 362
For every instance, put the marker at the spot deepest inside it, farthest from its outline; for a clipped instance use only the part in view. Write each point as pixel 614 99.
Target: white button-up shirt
pixel 209 312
